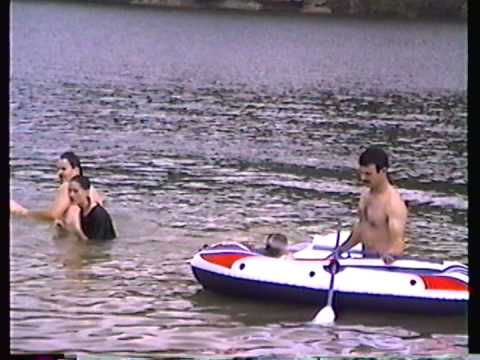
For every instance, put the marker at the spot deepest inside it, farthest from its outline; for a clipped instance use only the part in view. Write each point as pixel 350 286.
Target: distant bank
pixel 456 9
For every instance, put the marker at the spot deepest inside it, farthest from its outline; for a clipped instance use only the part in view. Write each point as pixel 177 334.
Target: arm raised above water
pixel 17 209
pixel 56 210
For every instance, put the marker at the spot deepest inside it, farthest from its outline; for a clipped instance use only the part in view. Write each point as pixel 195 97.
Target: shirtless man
pixel 382 212
pixel 62 211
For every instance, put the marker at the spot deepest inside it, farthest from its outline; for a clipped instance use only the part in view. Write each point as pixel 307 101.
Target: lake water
pixel 202 126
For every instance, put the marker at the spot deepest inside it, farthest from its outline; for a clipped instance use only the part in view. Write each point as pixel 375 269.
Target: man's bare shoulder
pixel 396 201
pixel 396 196
pixel 364 194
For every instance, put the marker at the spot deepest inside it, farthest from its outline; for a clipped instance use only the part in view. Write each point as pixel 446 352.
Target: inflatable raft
pixel 406 285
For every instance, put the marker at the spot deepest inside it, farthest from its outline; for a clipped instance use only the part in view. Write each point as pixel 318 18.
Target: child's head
pixel 276 244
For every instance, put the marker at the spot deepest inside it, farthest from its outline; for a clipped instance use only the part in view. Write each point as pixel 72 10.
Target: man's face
pixel 65 171
pixel 369 176
pixel 76 193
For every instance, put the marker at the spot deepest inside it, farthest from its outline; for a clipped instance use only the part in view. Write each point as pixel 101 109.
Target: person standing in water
pixel 382 214
pixel 62 211
pixel 95 222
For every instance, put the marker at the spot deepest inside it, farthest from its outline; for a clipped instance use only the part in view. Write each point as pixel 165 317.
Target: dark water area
pixel 202 126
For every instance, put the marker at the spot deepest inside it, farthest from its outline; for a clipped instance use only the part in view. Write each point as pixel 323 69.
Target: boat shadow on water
pixel 259 313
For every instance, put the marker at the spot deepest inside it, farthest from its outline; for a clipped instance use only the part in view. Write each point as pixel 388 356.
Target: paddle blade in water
pixel 325 316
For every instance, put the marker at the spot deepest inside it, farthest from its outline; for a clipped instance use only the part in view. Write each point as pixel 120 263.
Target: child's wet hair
pixel 276 244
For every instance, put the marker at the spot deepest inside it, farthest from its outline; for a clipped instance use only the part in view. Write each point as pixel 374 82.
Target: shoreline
pixel 406 9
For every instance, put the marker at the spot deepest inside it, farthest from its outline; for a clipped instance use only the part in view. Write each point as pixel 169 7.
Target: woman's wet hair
pixel 83 181
pixel 374 156
pixel 73 160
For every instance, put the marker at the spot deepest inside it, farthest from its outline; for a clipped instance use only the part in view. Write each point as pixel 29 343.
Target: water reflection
pixel 257 313
pixel 75 253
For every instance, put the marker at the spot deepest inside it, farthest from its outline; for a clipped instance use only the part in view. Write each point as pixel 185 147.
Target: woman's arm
pixel 56 210
pixel 71 223
pixel 17 209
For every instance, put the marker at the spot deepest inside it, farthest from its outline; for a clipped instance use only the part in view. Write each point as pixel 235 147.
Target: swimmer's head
pixel 68 166
pixel 276 244
pixel 78 189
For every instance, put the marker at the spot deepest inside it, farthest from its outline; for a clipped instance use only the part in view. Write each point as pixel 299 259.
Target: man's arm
pixel 397 220
pixel 354 237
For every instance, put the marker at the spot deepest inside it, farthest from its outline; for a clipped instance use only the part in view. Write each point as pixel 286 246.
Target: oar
pixel 327 314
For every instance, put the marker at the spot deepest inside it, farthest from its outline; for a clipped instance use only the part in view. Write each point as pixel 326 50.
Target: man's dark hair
pixel 73 160
pixel 83 181
pixel 374 156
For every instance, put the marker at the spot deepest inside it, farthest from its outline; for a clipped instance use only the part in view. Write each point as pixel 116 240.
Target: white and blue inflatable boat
pixel 407 285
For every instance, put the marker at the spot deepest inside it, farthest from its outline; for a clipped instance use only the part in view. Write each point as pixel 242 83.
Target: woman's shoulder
pixel 99 211
pixel 96 196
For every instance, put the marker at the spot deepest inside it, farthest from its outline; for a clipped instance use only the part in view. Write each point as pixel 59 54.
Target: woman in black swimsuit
pixel 95 222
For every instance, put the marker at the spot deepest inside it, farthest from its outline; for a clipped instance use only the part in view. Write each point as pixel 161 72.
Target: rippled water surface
pixel 206 126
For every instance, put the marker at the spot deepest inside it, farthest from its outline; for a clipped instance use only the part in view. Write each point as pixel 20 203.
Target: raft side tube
pixel 274 292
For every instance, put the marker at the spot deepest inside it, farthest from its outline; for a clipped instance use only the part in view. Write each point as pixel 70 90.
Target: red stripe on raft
pixel 443 283
pixel 225 260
